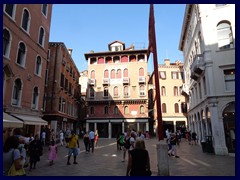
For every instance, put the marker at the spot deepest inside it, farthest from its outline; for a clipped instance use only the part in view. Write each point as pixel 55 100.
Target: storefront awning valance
pixel 11 122
pixel 31 120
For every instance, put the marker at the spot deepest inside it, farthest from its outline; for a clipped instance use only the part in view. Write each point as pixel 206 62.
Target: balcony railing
pixel 184 90
pixel 92 81
pixel 198 64
pixel 106 81
pixel 141 79
pixel 125 80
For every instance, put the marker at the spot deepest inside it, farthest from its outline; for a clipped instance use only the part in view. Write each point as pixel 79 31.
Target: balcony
pixel 105 81
pixel 142 94
pixel 125 80
pixel 141 79
pixel 198 64
pixel 184 90
pixel 92 82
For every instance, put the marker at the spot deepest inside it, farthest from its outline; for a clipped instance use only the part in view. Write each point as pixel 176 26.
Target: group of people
pixel 191 137
pixel 172 141
pixel 90 140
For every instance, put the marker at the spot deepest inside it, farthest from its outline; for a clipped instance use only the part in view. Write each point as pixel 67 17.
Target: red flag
pixel 151 29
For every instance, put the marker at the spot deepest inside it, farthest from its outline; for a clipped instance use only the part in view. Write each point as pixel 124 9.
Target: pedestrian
pixel 86 141
pixel 52 153
pixel 43 137
pixel 52 136
pixel 132 140
pixel 35 151
pixel 194 138
pixel 96 138
pixel 12 156
pixel 61 136
pixel 173 150
pixel 140 135
pixel 67 134
pixel 138 160
pixel 127 144
pixel 91 137
pixel 73 147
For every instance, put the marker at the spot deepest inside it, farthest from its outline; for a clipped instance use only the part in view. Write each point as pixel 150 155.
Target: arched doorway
pixel 229 126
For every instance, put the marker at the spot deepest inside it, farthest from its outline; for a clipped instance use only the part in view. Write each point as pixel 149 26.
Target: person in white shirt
pixel 61 135
pixel 132 141
pixel 91 137
pixel 43 137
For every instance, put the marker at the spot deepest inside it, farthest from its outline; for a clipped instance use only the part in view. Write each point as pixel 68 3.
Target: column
pixel 137 126
pixel 95 126
pixel 109 130
pixel 123 127
pixel 54 127
pixel 87 127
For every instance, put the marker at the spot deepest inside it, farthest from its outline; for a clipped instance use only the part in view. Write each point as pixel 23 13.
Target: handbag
pixel 13 172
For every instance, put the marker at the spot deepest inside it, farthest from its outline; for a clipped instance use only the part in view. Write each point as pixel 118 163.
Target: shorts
pixel 73 151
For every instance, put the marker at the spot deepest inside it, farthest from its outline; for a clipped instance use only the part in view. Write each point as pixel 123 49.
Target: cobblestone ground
pixel 106 161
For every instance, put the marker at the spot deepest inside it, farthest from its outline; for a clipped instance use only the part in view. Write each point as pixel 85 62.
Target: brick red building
pixel 117 96
pixel 25 44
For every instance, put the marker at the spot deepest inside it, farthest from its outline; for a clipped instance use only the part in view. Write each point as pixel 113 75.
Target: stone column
pixel 109 130
pixel 162 158
pixel 87 127
pixel 123 127
pixel 54 127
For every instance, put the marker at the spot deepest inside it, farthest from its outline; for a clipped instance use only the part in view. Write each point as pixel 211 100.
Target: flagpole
pixel 153 49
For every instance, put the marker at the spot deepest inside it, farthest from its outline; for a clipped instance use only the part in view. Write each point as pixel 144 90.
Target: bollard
pixel 162 158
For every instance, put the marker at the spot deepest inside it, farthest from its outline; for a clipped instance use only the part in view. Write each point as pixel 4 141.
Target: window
pixel 10 10
pixel 176 108
pixel 92 74
pixel 126 94
pixel 200 90
pixel 41 37
pixel 66 84
pixel 163 91
pixel 62 80
pixel 162 75
pixel 35 98
pixel 26 20
pixel 21 54
pixel 105 93
pixel 106 110
pixel 125 73
pixel 126 110
pixel 113 74
pixel 225 36
pixel 91 92
pixel 141 109
pixel 38 66
pixel 116 110
pixel 119 74
pixel 164 108
pixel 204 86
pixel 115 91
pixel 175 75
pixel 142 90
pixel 229 77
pixel 62 104
pixel 92 110
pixel 17 90
pixel 141 72
pixel 6 43
pixel 175 91
pixel 116 59
pixel 44 9
pixel 106 74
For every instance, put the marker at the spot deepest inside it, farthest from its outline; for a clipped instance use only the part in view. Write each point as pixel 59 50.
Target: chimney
pixel 70 51
pixel 167 62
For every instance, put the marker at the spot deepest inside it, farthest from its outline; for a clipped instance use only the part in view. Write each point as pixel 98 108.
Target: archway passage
pixel 229 126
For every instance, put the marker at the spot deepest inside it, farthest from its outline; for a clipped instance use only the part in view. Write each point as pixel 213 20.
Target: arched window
pixel 176 107
pixel 17 89
pixel 38 66
pixel 116 59
pixel 126 110
pixel 35 98
pixel 106 110
pixel 21 54
pixel 141 72
pixel 116 110
pixel 26 20
pixel 175 91
pixel 164 108
pixel 106 74
pixel 163 91
pixel 105 92
pixel 44 9
pixel 10 10
pixel 92 74
pixel 141 109
pixel 225 36
pixel 119 74
pixel 142 90
pixel 6 42
pixel 41 37
pixel 125 72
pixel 126 94
pixel 113 74
pixel 92 110
pixel 115 91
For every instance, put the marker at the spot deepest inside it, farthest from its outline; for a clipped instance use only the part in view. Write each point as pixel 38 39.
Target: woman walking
pixel 52 153
pixel 86 141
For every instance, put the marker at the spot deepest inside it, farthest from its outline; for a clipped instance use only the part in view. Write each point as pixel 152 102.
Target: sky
pixel 86 27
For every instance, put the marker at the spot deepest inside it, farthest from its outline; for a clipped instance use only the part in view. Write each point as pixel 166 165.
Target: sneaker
pixel 68 163
pixel 176 156
pixel 75 163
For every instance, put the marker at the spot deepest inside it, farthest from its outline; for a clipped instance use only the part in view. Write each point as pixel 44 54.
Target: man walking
pixel 72 147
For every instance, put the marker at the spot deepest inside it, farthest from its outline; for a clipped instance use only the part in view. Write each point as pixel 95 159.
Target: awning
pixel 31 120
pixel 11 122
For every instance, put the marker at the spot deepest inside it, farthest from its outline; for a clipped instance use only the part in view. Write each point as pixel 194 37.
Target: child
pixel 52 152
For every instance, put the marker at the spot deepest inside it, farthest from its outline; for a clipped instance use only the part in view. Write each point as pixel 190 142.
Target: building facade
pixel 117 96
pixel 62 89
pixel 208 45
pixel 26 30
pixel 173 102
